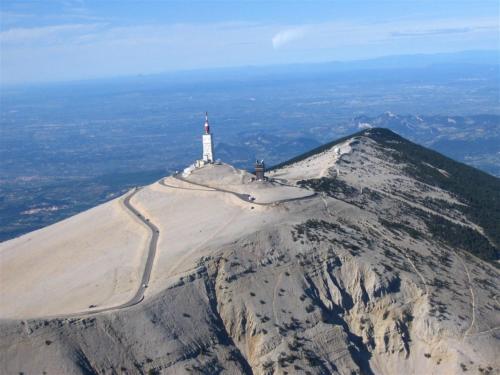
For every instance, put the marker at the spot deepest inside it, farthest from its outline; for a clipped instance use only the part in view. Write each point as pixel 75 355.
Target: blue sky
pixel 78 39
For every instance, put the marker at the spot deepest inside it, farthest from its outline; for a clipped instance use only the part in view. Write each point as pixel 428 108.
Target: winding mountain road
pixel 139 295
pixel 151 248
pixel 243 197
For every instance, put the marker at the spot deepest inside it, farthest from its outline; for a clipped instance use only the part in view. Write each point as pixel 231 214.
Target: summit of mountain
pixel 367 255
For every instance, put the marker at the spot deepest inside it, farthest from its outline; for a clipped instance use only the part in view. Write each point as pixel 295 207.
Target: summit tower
pixel 208 146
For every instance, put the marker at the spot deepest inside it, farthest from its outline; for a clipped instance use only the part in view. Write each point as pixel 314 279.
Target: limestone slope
pixel 94 258
pixel 361 278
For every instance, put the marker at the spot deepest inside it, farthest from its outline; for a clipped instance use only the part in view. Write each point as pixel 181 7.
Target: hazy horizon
pixel 78 40
pixel 422 60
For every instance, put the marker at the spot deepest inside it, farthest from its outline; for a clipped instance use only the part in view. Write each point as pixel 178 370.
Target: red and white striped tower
pixel 207 127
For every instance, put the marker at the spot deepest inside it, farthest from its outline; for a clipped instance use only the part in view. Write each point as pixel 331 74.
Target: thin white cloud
pixel 44 34
pixel 443 31
pixel 287 36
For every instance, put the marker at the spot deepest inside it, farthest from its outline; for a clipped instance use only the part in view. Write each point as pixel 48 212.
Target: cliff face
pixel 362 278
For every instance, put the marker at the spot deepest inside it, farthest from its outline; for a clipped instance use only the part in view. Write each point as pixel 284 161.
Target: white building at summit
pixel 208 149
pixel 208 146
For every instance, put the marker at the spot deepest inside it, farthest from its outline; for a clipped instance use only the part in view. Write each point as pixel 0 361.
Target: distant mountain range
pixel 450 62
